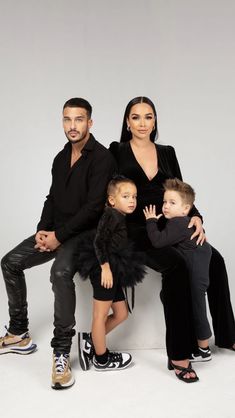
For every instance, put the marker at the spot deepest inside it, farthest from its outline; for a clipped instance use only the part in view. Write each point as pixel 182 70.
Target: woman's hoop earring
pixel 128 128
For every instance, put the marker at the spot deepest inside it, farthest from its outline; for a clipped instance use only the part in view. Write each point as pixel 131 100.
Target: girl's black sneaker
pixel 116 361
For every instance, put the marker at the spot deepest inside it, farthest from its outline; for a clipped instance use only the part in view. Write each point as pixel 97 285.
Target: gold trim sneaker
pixel 18 344
pixel 62 377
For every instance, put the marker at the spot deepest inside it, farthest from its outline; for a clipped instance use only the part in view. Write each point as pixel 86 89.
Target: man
pixel 80 174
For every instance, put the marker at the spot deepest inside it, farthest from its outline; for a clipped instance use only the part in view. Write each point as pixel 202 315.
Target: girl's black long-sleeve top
pixel 111 234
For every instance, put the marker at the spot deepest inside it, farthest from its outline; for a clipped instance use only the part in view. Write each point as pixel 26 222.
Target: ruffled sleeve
pixel 106 227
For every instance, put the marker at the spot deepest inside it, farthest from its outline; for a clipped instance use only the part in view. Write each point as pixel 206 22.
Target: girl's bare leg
pixel 119 314
pixel 103 323
pixel 100 314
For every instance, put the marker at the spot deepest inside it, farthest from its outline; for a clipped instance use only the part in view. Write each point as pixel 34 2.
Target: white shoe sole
pixel 28 349
pixel 200 359
pixel 113 369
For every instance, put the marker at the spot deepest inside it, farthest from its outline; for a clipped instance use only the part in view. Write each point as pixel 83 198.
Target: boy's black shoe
pixel 203 354
pixel 116 361
pixel 85 350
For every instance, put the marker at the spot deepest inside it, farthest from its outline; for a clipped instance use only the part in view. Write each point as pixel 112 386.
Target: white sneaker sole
pixel 113 369
pixel 200 359
pixel 28 349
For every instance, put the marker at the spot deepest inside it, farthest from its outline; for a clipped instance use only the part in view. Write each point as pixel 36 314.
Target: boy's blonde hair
pixel 186 192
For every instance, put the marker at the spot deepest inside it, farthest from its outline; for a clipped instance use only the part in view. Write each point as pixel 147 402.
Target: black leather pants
pixel 25 256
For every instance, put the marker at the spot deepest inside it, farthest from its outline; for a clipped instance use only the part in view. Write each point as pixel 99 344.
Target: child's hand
pixel 106 276
pixel 150 212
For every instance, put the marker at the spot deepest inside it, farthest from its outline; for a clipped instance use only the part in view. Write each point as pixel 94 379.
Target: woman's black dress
pixel 175 294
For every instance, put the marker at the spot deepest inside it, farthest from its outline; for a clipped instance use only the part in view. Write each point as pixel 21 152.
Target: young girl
pixel 110 267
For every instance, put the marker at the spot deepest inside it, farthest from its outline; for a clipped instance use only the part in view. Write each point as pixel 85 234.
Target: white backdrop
pixel 179 53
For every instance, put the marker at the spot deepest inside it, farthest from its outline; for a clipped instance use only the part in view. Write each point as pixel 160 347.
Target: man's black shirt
pixel 77 194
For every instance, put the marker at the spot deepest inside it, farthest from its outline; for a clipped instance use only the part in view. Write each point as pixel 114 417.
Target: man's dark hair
pixel 79 102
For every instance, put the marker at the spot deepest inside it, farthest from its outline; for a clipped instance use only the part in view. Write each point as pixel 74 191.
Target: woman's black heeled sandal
pixel 183 372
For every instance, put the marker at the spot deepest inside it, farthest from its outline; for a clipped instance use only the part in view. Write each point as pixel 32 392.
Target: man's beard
pixel 76 141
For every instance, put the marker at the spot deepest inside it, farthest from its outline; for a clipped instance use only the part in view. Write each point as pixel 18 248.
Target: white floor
pixel 146 389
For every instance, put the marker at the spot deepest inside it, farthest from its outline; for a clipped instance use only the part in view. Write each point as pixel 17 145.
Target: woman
pixel 148 165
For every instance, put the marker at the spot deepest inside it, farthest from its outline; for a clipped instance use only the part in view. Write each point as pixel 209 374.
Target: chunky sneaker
pixel 19 344
pixel 85 350
pixel 62 377
pixel 116 361
pixel 203 354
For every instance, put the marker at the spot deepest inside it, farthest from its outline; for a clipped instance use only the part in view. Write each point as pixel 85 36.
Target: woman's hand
pixel 150 212
pixel 199 231
pixel 106 276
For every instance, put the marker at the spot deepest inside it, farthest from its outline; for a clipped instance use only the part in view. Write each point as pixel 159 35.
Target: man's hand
pixel 150 212
pixel 199 231
pixel 106 276
pixel 40 241
pixel 46 241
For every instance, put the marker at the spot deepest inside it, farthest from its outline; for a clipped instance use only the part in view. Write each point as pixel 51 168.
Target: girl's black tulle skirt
pixel 127 265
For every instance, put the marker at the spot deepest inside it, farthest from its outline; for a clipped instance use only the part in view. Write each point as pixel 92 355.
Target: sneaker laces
pixel 61 361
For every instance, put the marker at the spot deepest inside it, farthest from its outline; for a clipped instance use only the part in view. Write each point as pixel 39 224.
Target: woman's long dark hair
pixel 126 135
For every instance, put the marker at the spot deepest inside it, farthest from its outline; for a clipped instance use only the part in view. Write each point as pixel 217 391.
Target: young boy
pixel 178 200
